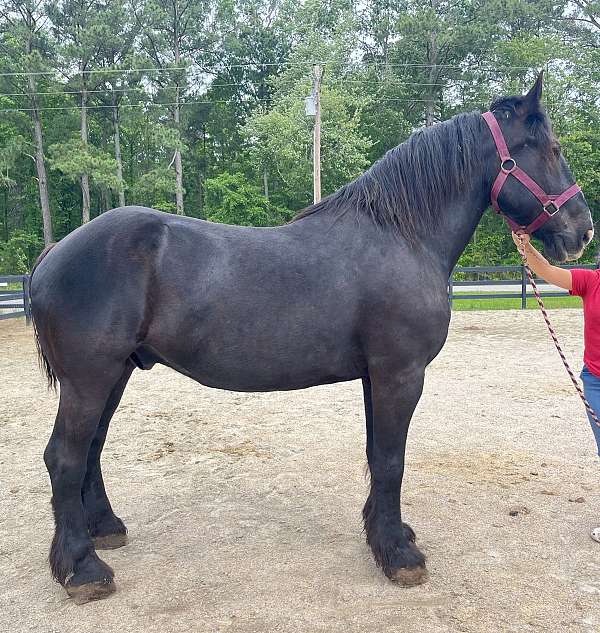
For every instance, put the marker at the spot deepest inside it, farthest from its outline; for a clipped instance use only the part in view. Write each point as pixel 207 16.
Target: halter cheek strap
pixel 508 166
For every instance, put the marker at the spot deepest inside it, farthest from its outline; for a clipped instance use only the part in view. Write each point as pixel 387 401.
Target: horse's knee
pixel 51 455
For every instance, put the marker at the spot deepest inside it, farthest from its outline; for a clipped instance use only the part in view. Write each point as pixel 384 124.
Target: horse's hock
pixel 244 509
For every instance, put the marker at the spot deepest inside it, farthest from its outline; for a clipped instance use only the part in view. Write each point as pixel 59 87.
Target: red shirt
pixel 586 284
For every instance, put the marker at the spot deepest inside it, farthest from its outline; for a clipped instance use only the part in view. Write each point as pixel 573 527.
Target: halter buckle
pixel 552 204
pixel 508 170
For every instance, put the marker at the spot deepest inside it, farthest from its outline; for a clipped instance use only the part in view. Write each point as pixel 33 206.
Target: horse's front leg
pixel 394 396
pixel 409 532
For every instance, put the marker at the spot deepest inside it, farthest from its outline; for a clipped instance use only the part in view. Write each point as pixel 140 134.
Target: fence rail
pixel 14 303
pixel 519 277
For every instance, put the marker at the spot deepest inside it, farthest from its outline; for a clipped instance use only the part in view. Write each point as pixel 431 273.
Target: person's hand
pixel 522 238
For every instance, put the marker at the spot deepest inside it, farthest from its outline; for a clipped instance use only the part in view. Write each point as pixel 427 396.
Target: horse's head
pixel 535 150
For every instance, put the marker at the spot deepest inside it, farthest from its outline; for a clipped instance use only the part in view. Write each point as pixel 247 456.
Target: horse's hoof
pixel 110 541
pixel 80 594
pixel 409 576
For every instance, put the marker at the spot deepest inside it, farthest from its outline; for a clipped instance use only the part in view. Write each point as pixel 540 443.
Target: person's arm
pixel 542 267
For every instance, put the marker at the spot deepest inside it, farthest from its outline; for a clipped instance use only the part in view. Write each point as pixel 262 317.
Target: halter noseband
pixel 508 166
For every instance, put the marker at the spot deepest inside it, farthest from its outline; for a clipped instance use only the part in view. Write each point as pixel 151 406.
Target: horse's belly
pixel 277 365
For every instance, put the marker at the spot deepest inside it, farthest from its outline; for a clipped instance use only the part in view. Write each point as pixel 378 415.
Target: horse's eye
pixel 556 150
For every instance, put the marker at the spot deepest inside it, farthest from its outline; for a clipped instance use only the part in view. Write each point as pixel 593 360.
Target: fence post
pixel 26 306
pixel 450 289
pixel 523 288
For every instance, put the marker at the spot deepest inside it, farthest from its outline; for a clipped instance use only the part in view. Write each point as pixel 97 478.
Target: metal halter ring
pixel 551 203
pixel 508 170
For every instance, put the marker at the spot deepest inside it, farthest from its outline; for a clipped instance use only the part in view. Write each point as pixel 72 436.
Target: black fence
pixel 469 276
pixel 14 302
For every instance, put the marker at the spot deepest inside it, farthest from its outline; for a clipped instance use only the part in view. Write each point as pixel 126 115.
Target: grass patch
pixel 552 303
pixel 12 287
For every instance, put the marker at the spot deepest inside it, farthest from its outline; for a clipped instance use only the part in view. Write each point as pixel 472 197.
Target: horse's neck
pixel 458 221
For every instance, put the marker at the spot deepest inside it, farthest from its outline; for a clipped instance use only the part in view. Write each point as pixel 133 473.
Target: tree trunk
pixel 40 164
pixel 85 181
pixel 6 215
pixel 266 182
pixel 432 60
pixel 105 198
pixel 176 115
pixel 201 195
pixel 178 166
pixel 430 106
pixel 117 131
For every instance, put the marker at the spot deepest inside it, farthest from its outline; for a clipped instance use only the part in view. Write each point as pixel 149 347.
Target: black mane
pixel 407 188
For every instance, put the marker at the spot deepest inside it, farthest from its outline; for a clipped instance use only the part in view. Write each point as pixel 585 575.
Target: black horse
pixel 354 288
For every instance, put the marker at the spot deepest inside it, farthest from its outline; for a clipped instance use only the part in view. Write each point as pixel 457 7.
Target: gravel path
pixel 243 509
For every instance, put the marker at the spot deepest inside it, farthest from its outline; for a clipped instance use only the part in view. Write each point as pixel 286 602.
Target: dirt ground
pixel 244 509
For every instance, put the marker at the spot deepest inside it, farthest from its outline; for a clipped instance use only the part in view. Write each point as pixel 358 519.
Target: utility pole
pixel 318 73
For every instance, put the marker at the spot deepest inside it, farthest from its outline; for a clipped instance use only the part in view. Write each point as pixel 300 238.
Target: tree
pixel 172 33
pixel 116 56
pixel 253 40
pixel 23 32
pixel 81 27
pixel 218 121
pixel 231 199
pixel 282 140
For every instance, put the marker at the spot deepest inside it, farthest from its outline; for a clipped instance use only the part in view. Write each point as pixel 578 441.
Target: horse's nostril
pixel 587 238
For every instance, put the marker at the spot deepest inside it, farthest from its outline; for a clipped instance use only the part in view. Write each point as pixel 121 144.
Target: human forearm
pixel 537 262
pixel 541 266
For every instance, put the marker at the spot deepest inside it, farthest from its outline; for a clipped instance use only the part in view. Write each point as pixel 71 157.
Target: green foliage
pixel 281 142
pixel 231 199
pixel 241 70
pixel 156 189
pixel 72 158
pixel 582 150
pixel 18 254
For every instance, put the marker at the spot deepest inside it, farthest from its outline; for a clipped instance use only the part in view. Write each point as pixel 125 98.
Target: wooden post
pixel 451 289
pixel 318 73
pixel 26 305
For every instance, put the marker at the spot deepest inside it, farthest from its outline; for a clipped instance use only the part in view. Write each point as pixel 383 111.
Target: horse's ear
pixel 533 98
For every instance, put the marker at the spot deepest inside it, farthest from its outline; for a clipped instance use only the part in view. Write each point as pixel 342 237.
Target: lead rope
pixel 538 297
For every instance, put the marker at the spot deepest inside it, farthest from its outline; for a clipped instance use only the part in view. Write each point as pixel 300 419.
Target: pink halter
pixel 509 166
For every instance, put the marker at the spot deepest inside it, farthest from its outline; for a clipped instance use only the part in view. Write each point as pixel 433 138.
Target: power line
pixel 333 81
pixel 181 103
pixel 107 90
pixel 96 71
pixel 340 80
pixel 457 66
pixel 124 105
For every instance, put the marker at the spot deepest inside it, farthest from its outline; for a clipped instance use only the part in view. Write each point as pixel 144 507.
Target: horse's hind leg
pixel 105 528
pixel 73 560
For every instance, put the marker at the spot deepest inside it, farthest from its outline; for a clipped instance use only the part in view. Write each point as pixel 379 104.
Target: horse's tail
pixel 43 361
